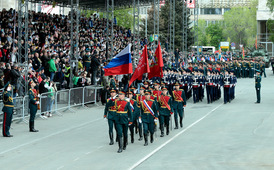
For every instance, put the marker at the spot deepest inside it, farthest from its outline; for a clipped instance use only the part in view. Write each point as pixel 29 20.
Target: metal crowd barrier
pixel 54 102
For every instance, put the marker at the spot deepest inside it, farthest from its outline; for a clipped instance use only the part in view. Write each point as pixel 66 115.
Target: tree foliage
pixel 270 26
pixel 123 16
pixel 164 24
pixel 241 25
pixel 270 5
pixel 210 35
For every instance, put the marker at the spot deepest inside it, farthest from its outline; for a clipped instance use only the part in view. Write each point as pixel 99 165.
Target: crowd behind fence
pixel 54 102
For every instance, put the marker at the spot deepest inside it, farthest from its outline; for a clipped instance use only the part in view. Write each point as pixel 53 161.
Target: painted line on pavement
pixel 171 139
pixel 53 134
pixel 61 167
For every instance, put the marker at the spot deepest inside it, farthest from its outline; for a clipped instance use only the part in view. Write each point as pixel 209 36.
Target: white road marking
pixel 76 159
pixel 171 139
pixel 53 134
pixel 87 153
pixel 60 167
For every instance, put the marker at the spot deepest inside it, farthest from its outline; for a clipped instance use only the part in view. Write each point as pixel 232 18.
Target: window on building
pixel 211 11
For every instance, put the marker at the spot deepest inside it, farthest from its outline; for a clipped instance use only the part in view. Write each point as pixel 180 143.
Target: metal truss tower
pixel 74 37
pixel 23 20
pixel 136 32
pixel 196 42
pixel 184 28
pixel 110 17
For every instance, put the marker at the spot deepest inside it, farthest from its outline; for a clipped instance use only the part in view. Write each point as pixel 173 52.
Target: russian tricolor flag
pixel 120 64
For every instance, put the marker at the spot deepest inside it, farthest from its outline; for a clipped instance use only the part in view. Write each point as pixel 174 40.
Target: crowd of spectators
pixel 49 50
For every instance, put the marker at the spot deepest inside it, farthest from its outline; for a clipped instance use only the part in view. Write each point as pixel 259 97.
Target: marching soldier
pixel 140 97
pixel 179 103
pixel 33 103
pixel 123 119
pixel 218 82
pixel 110 114
pixel 149 116
pixel 233 82
pixel 202 84
pixel 135 114
pixel 227 83
pixel 209 87
pixel 165 110
pixel 7 109
pixel 258 80
pixel 156 91
pixel 195 87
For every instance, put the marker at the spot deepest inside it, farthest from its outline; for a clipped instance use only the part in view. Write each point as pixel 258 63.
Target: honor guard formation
pixel 158 99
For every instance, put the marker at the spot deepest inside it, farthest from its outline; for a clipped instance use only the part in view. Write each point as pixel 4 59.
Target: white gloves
pixel 140 120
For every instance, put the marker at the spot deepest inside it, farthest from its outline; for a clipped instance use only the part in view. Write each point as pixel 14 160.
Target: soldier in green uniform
pixel 110 113
pixel 135 113
pixel 123 119
pixel 112 82
pixel 263 69
pixel 179 102
pixel 87 60
pixel 32 106
pixel 258 79
pixel 165 110
pixel 7 109
pixel 149 116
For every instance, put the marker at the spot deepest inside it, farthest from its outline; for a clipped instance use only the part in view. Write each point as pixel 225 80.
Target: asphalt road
pixel 237 135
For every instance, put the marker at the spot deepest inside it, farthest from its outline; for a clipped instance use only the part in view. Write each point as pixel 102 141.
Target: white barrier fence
pixel 54 102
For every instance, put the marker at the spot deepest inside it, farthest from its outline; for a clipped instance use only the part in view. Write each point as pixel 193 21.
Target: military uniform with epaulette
pixel 110 114
pixel 165 111
pixel 33 105
pixel 179 102
pixel 123 120
pixel 258 80
pixel 227 85
pixel 135 116
pixel 8 111
pixel 149 116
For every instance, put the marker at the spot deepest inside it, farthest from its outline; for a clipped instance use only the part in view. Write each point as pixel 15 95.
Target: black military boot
pixel 151 138
pixel 111 139
pixel 167 130
pixel 132 137
pixel 176 124
pixel 146 142
pixel 120 145
pixel 181 122
pixel 141 134
pixel 125 143
pixel 31 127
pixel 162 131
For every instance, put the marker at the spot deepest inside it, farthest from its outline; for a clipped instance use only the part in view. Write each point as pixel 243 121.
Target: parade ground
pixel 236 135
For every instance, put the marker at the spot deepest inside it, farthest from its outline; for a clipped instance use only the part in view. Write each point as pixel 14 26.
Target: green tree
pixel 270 5
pixel 123 16
pixel 203 38
pixel 164 23
pixel 241 25
pixel 270 26
pixel 270 22
pixel 215 32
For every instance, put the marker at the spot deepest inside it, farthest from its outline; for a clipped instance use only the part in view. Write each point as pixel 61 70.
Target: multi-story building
pixel 212 11
pixel 264 14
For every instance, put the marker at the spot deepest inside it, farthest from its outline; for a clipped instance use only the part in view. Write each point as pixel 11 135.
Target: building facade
pixel 264 14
